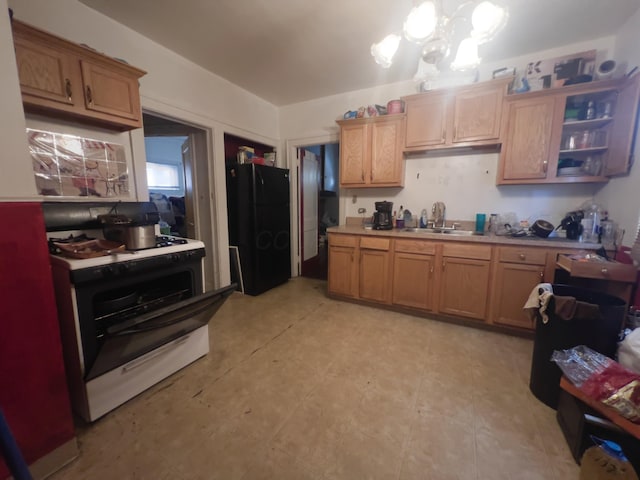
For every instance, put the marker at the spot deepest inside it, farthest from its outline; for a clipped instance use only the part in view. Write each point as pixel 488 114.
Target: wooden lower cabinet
pixel 484 282
pixel 518 271
pixel 514 283
pixel 343 265
pixel 375 269
pixel 464 282
pixel 413 274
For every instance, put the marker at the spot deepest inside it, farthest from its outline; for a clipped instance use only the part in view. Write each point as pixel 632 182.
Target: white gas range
pixel 128 319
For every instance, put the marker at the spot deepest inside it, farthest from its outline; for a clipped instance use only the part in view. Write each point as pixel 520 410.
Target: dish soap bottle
pixel 400 218
pixel 424 218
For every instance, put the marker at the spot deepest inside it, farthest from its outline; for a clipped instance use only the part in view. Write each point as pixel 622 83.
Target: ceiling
pixel 287 51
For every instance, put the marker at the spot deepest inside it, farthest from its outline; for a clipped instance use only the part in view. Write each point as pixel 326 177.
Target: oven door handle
pixel 138 362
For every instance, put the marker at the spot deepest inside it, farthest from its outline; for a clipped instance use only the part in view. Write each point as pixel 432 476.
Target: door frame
pixel 293 163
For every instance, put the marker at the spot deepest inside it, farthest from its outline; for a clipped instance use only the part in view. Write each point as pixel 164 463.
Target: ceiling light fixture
pixel 429 27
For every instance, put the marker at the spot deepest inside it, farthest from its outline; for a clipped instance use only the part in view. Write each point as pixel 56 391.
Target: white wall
pixel 466 183
pixel 173 86
pixel 622 195
pixel 16 182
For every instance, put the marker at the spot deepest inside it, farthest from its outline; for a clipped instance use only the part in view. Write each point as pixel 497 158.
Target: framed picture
pixel 556 72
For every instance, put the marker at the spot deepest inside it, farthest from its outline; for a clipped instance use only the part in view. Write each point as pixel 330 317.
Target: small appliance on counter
pixel 571 223
pixel 383 216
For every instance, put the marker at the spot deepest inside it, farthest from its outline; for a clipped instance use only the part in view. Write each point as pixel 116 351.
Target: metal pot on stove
pixel 136 235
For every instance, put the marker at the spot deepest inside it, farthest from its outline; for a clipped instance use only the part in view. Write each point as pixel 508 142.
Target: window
pixel 163 176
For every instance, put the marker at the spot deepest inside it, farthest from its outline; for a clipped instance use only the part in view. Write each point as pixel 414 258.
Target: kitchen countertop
pixel 488 238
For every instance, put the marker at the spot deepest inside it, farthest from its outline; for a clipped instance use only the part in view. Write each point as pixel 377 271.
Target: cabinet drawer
pixel 464 250
pixel 611 270
pixel 373 243
pixel 415 246
pixel 343 240
pixel 528 256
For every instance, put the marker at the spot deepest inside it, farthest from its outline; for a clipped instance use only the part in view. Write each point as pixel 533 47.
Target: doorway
pixel 177 164
pixel 319 209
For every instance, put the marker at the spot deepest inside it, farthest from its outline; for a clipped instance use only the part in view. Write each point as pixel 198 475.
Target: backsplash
pixel 465 182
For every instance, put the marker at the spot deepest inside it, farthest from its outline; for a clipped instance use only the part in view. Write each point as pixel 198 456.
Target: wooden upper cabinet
pixel 108 91
pixel 46 73
pixel 527 146
pixel 549 138
pixel 426 120
pixel 460 117
pixel 621 134
pixel 371 152
pixel 386 152
pixel 477 113
pixel 63 79
pixel 355 146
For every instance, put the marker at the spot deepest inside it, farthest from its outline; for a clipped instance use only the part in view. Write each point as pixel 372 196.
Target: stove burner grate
pixel 165 241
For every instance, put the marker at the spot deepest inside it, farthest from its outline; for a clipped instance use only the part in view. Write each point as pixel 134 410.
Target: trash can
pixel 599 334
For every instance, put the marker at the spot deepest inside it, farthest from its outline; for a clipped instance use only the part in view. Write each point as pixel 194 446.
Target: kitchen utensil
pixel 89 248
pixel 135 235
pixel 542 228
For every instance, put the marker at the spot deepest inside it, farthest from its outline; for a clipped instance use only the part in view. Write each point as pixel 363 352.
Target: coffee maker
pixel 571 223
pixel 383 216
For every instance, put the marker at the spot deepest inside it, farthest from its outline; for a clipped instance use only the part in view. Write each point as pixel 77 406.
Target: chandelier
pixel 428 26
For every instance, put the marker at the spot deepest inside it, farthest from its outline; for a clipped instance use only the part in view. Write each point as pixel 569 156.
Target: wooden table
pixel 610 413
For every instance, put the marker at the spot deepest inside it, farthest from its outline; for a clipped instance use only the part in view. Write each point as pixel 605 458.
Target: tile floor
pixel 299 386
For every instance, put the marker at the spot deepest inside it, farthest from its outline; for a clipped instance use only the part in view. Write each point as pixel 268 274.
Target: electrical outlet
pixel 362 210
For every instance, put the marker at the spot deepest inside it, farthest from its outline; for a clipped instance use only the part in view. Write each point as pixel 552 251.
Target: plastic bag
pixel 629 351
pixel 579 363
pixel 602 379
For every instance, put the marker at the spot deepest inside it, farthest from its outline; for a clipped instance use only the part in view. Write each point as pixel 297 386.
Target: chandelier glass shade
pixel 429 27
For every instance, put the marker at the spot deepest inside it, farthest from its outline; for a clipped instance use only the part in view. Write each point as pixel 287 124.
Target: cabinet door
pixel 623 129
pixel 514 283
pixel 464 287
pixel 110 92
pixel 374 275
pixel 477 114
pixel 426 120
pixel 527 147
pixel 343 271
pixel 46 74
pixel 354 152
pixel 386 152
pixel 413 280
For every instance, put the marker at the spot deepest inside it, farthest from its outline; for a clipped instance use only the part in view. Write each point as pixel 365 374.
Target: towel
pixel 538 301
pixel 567 308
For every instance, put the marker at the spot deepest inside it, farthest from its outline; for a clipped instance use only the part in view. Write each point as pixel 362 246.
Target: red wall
pixel 33 387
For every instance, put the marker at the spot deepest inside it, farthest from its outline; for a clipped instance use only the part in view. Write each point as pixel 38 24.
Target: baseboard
pixel 55 460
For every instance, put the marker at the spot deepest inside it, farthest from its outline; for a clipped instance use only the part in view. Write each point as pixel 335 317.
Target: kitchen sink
pixel 442 231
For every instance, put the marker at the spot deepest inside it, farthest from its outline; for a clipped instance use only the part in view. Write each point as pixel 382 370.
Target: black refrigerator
pixel 259 226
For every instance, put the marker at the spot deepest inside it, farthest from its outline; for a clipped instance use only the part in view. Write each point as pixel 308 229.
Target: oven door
pixel 132 338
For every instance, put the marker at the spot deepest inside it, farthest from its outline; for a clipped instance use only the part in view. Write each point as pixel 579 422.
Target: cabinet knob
pixel 67 87
pixel 89 95
pixel 541 275
pixel 522 256
pixel 604 271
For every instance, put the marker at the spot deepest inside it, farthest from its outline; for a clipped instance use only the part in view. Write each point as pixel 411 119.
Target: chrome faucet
pixel 437 211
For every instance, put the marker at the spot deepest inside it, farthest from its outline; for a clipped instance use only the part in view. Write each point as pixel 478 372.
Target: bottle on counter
pixel 400 218
pixel 424 218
